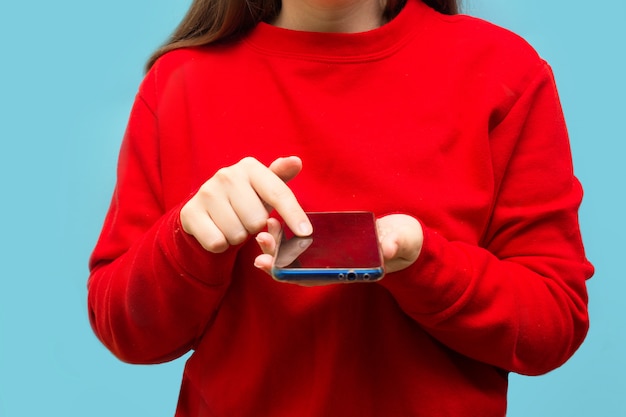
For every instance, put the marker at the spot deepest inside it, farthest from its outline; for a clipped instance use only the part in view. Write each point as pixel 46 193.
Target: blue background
pixel 69 70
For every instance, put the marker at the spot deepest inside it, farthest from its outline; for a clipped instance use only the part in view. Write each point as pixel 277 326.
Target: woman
pixel 448 128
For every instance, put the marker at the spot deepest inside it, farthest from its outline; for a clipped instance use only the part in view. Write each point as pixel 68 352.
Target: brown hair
pixel 209 21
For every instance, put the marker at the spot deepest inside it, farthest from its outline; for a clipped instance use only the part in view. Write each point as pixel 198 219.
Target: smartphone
pixel 343 248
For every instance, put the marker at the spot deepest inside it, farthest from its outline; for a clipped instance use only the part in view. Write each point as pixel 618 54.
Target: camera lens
pixel 351 276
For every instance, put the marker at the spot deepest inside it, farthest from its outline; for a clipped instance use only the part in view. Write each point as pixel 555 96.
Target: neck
pixel 348 16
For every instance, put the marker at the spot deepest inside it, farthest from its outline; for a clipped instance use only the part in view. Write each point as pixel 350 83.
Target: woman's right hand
pixel 235 203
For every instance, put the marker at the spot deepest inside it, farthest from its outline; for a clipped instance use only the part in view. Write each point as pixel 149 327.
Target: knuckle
pixel 186 210
pixel 223 176
pixel 206 187
pixel 248 161
pixel 186 218
pixel 215 245
pixel 190 217
pixel 256 225
pixel 215 187
pixel 238 237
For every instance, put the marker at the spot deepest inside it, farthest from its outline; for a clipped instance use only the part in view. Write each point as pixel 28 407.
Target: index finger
pixel 273 191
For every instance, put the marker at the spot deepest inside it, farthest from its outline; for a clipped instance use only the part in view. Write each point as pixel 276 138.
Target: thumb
pixel 389 246
pixel 286 168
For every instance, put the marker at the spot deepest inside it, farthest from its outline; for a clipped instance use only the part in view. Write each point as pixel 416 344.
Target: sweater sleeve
pixel 152 289
pixel 518 299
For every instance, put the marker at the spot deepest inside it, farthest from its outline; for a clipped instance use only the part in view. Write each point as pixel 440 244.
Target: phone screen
pixel 343 247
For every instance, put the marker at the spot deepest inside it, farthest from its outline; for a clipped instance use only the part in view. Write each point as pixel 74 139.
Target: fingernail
pixel 305 228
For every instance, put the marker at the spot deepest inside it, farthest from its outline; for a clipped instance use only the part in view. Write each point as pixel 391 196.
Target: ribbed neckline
pixel 347 47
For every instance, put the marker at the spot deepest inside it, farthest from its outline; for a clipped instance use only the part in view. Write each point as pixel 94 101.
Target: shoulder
pixel 474 39
pixel 175 62
pixel 483 53
pixel 175 69
pixel 478 35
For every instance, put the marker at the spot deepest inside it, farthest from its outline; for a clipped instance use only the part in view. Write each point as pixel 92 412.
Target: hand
pixel 267 241
pixel 291 249
pixel 400 237
pixel 237 200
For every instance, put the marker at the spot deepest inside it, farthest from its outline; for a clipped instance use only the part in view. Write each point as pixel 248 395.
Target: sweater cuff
pixel 435 282
pixel 191 259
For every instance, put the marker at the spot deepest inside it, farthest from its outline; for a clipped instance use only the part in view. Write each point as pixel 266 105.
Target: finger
pixel 286 168
pixel 249 208
pixel 264 263
pixel 218 210
pixel 389 247
pixel 196 223
pixel 291 249
pixel 267 243
pixel 274 228
pixel 268 240
pixel 273 191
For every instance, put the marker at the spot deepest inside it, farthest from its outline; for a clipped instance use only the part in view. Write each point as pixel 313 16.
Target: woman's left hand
pixel 400 237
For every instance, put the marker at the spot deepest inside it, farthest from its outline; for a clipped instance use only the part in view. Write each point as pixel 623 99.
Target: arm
pixel 518 300
pixel 152 288
pixel 158 273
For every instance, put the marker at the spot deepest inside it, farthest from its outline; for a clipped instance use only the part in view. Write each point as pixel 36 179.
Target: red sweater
pixel 446 118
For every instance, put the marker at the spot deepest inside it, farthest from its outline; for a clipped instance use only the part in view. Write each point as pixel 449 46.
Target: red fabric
pixel 449 119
